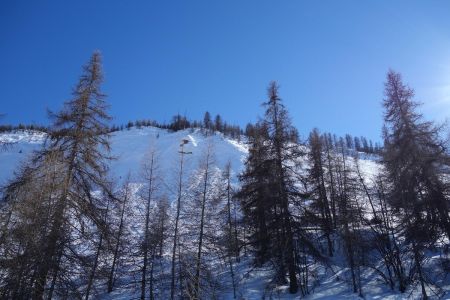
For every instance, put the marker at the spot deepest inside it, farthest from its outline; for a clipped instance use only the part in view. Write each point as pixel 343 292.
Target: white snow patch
pixel 239 145
pixel 32 137
pixel 193 141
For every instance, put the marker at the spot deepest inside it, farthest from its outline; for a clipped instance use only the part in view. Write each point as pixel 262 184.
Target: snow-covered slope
pixel 19 147
pixel 129 148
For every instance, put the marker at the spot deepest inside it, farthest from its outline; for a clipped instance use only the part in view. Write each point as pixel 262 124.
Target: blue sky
pixel 164 57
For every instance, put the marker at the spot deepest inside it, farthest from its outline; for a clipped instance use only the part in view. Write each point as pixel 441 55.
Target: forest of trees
pixel 69 231
pixel 333 208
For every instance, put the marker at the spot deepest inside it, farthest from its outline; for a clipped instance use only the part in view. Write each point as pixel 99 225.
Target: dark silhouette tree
pixel 412 155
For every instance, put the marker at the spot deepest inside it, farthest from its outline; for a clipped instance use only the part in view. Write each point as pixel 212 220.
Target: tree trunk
pixel 118 244
pixel 94 268
pixel 146 230
pixel 230 230
pixel 202 221
pixel 174 249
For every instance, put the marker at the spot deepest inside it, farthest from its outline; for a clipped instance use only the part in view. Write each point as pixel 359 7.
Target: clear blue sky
pixel 163 57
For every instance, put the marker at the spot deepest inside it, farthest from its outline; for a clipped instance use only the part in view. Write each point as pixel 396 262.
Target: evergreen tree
pixel 177 220
pixel 357 143
pixel 80 135
pixel 121 235
pixel 230 237
pixel 316 176
pixel 27 207
pixel 269 188
pixel 412 154
pixel 349 141
pixel 207 123
pixel 218 124
pixel 254 193
pixel 77 145
pixel 282 153
pixel 349 222
pixel 149 170
pixel 365 145
pixel 206 170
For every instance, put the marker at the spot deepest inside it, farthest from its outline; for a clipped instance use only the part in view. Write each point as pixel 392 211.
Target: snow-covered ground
pixel 19 147
pixel 129 147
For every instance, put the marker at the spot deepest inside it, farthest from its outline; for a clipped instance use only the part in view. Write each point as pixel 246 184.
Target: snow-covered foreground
pixel 129 147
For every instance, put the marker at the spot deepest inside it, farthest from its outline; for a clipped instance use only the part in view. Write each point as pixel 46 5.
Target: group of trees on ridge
pixel 180 122
pixel 67 230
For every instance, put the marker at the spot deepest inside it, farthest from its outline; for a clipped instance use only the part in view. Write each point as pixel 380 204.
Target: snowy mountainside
pixel 19 147
pixel 129 149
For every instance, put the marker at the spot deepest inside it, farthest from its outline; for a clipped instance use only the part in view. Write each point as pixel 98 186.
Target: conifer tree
pixel 231 240
pixel 27 208
pixel 207 123
pixel 204 198
pixel 150 174
pixel 121 234
pixel 316 176
pixel 80 134
pixel 102 248
pixel 348 215
pixel 177 220
pixel 282 153
pixel 411 157
pixel 156 241
pixel 59 183
pixel 218 124
pixel 269 187
pixel 254 194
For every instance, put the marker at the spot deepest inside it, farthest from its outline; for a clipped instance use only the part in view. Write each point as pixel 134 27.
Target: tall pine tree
pixel 412 155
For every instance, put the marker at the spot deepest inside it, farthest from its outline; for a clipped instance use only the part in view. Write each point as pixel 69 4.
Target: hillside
pixel 129 148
